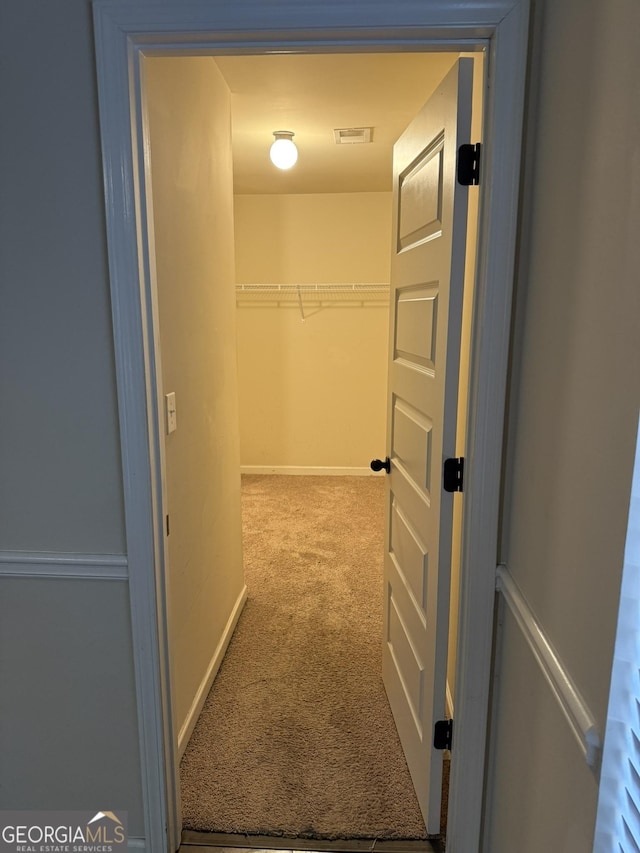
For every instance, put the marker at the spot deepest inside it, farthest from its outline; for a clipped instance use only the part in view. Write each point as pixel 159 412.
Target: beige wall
pixel 574 408
pixel 312 393
pixel 190 132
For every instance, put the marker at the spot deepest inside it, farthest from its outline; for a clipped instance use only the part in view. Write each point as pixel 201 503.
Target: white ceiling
pixel 314 94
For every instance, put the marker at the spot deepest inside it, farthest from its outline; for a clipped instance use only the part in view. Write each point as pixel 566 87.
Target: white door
pixel 427 272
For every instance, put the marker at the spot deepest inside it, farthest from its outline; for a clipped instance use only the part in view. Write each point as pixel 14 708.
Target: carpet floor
pixel 296 737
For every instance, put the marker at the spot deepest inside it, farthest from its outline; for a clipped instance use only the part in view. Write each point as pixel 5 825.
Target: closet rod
pixel 313 293
pixel 294 289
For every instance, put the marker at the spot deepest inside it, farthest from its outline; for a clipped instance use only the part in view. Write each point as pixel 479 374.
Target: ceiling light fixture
pixel 283 152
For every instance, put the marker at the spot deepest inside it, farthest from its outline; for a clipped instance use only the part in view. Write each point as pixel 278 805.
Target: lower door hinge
pixel 468 170
pixel 453 475
pixel 442 734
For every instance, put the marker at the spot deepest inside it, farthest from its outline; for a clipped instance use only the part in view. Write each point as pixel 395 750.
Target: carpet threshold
pixel 192 840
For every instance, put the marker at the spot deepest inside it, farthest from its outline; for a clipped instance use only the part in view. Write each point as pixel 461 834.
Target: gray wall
pixel 68 737
pixel 68 730
pixel 574 408
pixel 60 488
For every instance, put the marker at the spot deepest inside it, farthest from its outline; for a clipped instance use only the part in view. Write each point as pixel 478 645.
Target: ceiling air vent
pixel 353 135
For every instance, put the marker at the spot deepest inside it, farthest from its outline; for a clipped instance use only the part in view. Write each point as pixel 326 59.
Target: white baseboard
pixel 187 727
pixel 301 470
pixel 449 703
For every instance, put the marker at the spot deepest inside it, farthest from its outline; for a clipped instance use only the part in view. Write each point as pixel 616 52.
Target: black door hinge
pixel 469 165
pixel 442 734
pixel 167 524
pixel 453 478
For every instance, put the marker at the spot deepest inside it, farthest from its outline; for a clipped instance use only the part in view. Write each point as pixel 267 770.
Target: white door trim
pixel 124 32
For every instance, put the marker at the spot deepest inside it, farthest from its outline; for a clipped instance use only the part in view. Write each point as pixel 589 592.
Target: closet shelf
pixel 345 292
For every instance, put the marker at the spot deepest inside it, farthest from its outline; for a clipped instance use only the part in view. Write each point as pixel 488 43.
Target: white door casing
pixel 124 32
pixel 427 283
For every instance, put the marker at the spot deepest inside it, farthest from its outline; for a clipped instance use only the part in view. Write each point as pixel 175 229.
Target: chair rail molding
pixel 573 706
pixel 53 564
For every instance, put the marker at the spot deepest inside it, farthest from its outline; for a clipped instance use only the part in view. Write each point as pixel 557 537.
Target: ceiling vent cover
pixel 353 135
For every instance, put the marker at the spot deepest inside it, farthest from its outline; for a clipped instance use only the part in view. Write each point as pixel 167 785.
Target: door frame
pixel 127 30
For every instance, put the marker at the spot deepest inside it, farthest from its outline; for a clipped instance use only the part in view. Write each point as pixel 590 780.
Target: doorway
pixel 123 34
pixel 332 351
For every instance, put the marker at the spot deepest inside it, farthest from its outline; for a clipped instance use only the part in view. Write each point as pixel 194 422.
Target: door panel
pixel 412 443
pixel 406 659
pixel 416 321
pixel 420 199
pixel 408 551
pixel 429 228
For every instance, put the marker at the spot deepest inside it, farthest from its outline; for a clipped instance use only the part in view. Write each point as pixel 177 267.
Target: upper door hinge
pixel 443 734
pixel 469 165
pixel 453 477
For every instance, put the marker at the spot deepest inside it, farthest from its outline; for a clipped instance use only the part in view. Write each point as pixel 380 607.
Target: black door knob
pixel 379 465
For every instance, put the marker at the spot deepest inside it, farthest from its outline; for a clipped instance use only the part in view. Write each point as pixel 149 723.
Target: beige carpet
pixel 296 737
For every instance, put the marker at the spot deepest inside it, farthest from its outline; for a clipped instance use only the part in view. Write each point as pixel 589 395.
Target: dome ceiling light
pixel 283 152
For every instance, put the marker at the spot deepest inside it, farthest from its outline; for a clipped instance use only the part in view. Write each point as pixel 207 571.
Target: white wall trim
pixel 52 564
pixel 186 730
pixel 491 334
pixel 580 719
pixel 118 81
pixel 313 470
pixel 123 32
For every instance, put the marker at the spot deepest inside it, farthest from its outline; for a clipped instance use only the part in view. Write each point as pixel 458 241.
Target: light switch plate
pixel 170 407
